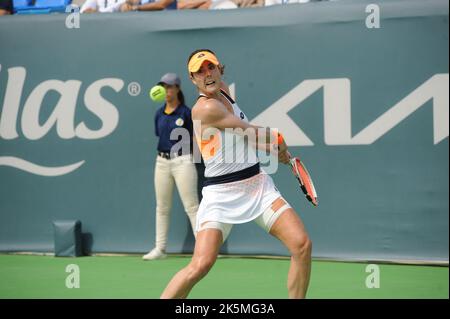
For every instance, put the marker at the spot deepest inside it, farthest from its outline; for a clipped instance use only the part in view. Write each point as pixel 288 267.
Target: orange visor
pixel 197 60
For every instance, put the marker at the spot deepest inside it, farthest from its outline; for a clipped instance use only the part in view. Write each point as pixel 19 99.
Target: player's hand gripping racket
pixel 303 177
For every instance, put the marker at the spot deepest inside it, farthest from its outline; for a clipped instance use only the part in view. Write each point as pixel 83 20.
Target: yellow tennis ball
pixel 158 93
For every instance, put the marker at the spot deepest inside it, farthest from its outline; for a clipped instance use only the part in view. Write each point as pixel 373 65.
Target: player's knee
pixel 200 268
pixel 302 246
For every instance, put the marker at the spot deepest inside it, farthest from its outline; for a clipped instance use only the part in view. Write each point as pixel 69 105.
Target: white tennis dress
pixel 238 201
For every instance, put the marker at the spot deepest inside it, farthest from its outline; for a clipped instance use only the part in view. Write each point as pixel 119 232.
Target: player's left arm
pixel 214 114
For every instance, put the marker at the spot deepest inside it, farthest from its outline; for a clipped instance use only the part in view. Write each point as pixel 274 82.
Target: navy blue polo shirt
pixel 165 123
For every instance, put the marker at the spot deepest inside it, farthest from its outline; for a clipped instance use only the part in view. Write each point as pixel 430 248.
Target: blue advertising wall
pixel 366 108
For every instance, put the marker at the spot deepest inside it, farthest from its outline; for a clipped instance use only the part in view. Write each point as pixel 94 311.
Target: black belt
pixel 168 155
pixel 233 177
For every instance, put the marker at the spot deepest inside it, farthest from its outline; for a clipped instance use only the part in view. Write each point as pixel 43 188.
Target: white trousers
pixel 179 171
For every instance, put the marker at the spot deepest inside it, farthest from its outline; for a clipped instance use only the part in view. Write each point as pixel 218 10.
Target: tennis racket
pixel 306 184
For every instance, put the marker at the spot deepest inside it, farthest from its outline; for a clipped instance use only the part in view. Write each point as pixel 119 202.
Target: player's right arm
pixel 213 114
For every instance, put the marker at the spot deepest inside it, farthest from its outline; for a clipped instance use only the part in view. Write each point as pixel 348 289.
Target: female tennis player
pixel 235 192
